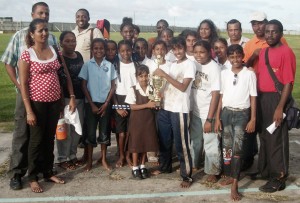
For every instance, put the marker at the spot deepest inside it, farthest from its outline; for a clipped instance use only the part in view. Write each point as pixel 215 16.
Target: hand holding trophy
pixel 158 83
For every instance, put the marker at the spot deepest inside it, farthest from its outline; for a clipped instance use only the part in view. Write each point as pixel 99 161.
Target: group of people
pixel 217 95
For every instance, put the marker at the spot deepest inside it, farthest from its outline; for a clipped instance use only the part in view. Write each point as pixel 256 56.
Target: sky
pixel 185 13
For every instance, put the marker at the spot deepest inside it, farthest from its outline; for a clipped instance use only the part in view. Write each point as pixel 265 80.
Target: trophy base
pixel 157 105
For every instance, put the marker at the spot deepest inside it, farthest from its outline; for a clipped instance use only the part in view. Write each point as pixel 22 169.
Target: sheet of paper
pixel 272 127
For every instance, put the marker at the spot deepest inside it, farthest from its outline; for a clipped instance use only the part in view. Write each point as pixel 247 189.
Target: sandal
pixel 35 187
pixel 77 162
pixel 67 165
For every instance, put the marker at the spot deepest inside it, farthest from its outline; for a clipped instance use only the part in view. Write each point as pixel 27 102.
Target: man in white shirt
pixel 234 31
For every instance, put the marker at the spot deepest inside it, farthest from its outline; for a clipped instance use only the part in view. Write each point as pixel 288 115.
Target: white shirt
pixel 175 100
pixel 146 61
pixel 207 79
pixel 152 65
pixel 226 65
pixel 127 76
pixel 238 95
pixel 191 57
pixel 170 57
pixel 242 42
pixel 131 97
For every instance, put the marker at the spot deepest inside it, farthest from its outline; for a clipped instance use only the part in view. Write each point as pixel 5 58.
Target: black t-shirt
pixel 74 66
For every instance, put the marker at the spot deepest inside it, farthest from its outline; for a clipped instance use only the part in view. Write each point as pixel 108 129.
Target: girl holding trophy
pixel 142 136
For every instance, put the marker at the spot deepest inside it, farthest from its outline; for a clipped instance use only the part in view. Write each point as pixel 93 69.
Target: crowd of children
pixel 198 111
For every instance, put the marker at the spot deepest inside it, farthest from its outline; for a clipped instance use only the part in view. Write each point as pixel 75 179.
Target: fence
pixel 6 26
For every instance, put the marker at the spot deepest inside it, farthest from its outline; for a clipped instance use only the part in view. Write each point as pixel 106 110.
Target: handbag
pixel 291 110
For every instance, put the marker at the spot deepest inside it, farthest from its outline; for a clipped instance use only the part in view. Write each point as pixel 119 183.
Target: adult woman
pixel 41 94
pixel 67 149
pixel 208 31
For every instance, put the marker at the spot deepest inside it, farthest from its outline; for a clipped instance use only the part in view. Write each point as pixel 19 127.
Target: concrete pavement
pixel 98 185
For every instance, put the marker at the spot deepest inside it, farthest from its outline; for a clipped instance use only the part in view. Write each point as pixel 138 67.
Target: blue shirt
pixel 98 78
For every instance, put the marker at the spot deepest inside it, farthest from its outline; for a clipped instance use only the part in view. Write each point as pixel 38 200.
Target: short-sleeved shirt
pixel 74 66
pixel 242 42
pixel 17 45
pixel 207 79
pixel 175 100
pixel 226 65
pixel 254 44
pixel 131 97
pixel 238 95
pixel 126 79
pixel 83 40
pixel 43 78
pixel 152 65
pixel 98 78
pixel 283 62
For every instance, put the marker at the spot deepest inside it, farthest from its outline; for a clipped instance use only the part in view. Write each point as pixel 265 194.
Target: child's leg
pixel 89 163
pixel 121 160
pixel 143 168
pixel 236 167
pixel 212 165
pixel 227 143
pixel 165 142
pixel 181 139
pixel 91 127
pixel 196 141
pixel 103 154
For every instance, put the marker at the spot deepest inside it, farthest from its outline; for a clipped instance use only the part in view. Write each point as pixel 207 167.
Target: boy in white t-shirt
pixel 205 98
pixel 237 110
pixel 173 119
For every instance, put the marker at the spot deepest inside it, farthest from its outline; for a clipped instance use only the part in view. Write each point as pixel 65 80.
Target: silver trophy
pixel 157 84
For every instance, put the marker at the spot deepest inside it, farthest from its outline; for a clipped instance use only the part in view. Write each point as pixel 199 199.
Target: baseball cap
pixel 258 16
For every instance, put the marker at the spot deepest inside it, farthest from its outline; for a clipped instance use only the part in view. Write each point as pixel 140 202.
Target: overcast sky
pixel 147 12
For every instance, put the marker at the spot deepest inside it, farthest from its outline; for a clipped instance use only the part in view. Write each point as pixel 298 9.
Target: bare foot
pixel 88 167
pixel 106 165
pixel 156 172
pixel 212 179
pixel 100 160
pixel 195 169
pixel 35 187
pixel 185 184
pixel 129 162
pixel 56 180
pixel 120 162
pixel 226 181
pixel 235 195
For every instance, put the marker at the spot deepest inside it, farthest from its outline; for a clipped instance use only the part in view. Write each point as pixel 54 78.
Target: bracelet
pixel 29 113
pixel 210 120
pixel 25 99
pixel 72 95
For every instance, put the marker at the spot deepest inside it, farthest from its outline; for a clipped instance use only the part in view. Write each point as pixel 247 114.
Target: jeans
pixel 234 124
pixel 173 127
pixel 18 159
pixel 67 149
pixel 92 122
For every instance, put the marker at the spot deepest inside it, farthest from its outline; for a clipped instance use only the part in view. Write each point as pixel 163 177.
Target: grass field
pixel 7 90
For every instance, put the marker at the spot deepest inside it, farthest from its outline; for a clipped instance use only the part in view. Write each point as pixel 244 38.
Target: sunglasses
pixel 235 79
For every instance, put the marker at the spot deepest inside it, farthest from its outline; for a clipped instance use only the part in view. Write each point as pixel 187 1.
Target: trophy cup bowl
pixel 158 83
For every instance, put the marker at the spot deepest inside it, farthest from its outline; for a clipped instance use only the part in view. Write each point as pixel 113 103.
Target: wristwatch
pixel 210 120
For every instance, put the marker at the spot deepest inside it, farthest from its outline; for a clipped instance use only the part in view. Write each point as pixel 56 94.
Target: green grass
pixel 7 91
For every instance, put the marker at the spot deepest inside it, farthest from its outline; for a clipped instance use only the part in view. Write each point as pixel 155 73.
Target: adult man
pixel 17 44
pixel 254 45
pixel 85 33
pixel 274 148
pixel 234 31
